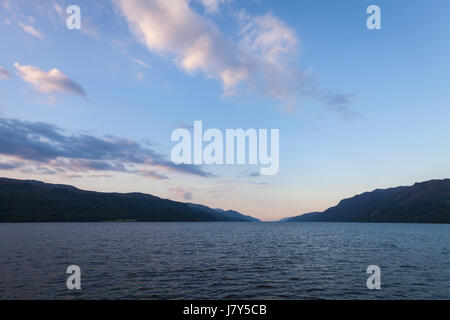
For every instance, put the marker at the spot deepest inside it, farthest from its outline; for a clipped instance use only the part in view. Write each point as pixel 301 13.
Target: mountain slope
pixel 229 214
pixel 237 215
pixel 34 201
pixel 425 202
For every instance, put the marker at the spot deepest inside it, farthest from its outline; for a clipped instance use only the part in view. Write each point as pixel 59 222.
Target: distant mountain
pixel 284 219
pixel 425 202
pixel 35 201
pixel 229 214
pixel 237 215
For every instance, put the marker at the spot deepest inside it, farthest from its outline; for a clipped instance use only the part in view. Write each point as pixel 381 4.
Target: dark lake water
pixel 224 260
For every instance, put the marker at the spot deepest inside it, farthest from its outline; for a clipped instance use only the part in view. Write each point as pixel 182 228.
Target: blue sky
pixel 357 109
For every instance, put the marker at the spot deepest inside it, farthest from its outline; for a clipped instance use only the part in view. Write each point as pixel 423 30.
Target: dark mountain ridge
pixel 424 202
pixel 35 201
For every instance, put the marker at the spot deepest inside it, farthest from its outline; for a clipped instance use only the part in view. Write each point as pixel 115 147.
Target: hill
pixel 425 202
pixel 35 201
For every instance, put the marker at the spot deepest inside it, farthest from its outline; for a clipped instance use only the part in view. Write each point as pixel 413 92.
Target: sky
pixel 357 109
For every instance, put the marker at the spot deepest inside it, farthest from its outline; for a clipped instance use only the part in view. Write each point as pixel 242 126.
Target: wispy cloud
pixel 30 30
pixel 4 74
pixel 140 63
pixel 184 193
pixel 53 81
pixel 41 144
pixel 336 102
pixel 153 174
pixel 340 103
pixel 59 10
pixel 252 174
pixel 256 62
pixel 10 165
pixel 212 6
pixel 263 59
pixel 6 5
pixel 187 126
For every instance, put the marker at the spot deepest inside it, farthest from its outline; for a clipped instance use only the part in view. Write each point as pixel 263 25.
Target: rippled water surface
pixel 224 260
